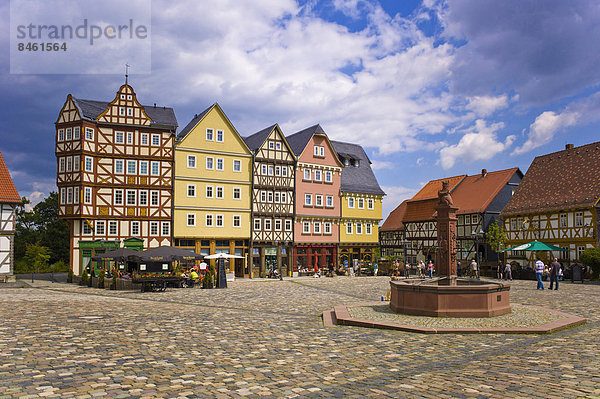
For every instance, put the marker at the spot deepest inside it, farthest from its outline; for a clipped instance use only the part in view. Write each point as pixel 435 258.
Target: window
pixel 61 135
pixel 220 193
pixel 328 178
pixel 191 190
pixel 277 224
pixel 563 220
pixel 283 198
pixel 69 133
pixel 317 228
pixel 348 228
pixel 130 197
pixel 361 203
pixel 308 199
pixel 112 228
pixel 263 196
pixel 350 202
pixel 580 250
pixel 119 166
pixel 209 135
pixel 317 175
pixel 153 228
pixel 321 151
pixel 578 219
pixel 76 195
pixel 87 195
pixel 271 145
pixel 219 220
pixel 317 152
pixel 329 201
pixel 284 171
pixel 467 219
pixel 210 163
pixel 191 161
pixel 61 164
pixel 270 170
pixel 237 165
pixel 88 164
pixel 122 111
pixel 277 170
pixel 307 174
pixel 129 111
pixel 237 221
pixel 155 140
pixel 89 133
pixel 277 198
pixel 278 145
pixel 368 228
pixel 270 196
pixel 318 200
pixel 143 167
pixel 263 170
pixel 154 198
pixel 63 198
pixel 76 131
pixel 118 197
pixel 144 198
pixel 305 227
pixel 155 169
pixel 209 191
pixel 209 220
pixel 166 228
pixel 358 228
pixel 370 203
pixel 69 164
pixel 288 225
pixel 237 193
pixel 220 136
pixel 513 224
pixel 135 229
pixel 191 219
pixel 119 137
pixel 76 162
pixel 257 224
pixel 327 228
pixel 131 167
pixel 87 230
pixel 144 138
pixel 70 195
pixel 100 227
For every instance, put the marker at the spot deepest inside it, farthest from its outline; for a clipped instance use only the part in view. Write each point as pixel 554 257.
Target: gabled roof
pixel 8 191
pixel 299 140
pixel 475 193
pixel 91 109
pixel 560 180
pixel 197 118
pixel 357 179
pixel 394 219
pixel 430 190
pixel 420 210
pixel 256 140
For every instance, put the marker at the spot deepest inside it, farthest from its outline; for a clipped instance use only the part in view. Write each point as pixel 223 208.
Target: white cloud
pixel 382 165
pixel 394 196
pixel 486 105
pixel 479 143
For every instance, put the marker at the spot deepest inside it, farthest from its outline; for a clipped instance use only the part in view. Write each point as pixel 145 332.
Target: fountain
pixel 449 295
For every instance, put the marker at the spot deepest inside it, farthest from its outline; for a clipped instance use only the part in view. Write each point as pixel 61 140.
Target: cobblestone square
pixel 266 338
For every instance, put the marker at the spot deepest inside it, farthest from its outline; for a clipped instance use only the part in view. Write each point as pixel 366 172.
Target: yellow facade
pixel 356 209
pixel 213 171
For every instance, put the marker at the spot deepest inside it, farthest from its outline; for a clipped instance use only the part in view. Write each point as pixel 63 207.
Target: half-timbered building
pixel 114 173
pixel 361 205
pixel 557 203
pixel 213 181
pixel 273 181
pixel 317 203
pixel 9 199
pixel 392 234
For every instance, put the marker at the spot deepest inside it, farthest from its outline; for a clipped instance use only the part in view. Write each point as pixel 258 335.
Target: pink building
pixel 317 203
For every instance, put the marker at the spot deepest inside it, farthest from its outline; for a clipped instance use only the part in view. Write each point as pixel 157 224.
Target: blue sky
pixel 430 88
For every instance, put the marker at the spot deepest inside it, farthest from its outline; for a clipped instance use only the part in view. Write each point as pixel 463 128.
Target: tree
pixel 37 257
pixel 591 257
pixel 496 237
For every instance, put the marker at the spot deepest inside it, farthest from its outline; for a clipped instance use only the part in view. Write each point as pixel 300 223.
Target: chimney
pixel 569 147
pixel 483 172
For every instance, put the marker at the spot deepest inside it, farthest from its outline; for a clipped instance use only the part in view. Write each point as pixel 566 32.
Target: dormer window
pixel 346 162
pixel 356 163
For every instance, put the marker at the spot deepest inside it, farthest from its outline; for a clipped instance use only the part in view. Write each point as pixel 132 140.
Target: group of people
pixel 194 275
pixel 555 271
pixel 504 272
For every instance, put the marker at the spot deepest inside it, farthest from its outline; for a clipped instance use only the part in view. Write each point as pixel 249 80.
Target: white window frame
pixel 69 167
pixel 278 145
pixel 308 199
pixel 190 220
pixel 165 229
pixel 351 202
pixel 284 170
pixel 155 166
pixel 316 227
pixel 270 197
pixel 368 229
pixel 237 190
pixel 144 168
pixel 237 162
pixel 361 203
pixel 349 227
pixel 129 163
pixel 91 164
pixel 191 193
pixel 371 204
pixel 133 198
pixel 307 174
pixel 63 195
pixel 271 170
pixel 61 135
pixel 154 229
pixel 89 134
pixel 277 225
pixel 119 167
pixel 277 170
pixel 144 139
pixel 268 223
pixel 219 220
pixel 211 161
pixel 263 196
pixel 257 224
pixel 135 228
pixel 237 218
pixel 119 137
pixel 76 163
pixel 220 161
pixel 328 199
pixel 271 145
pixel 100 228
pixel 276 197
pixel 563 217
pixel 322 151
pixel 87 195
pixel 155 140
pixel 305 227
pixel 328 176
pixel 86 230
pixel 222 136
pixel 288 224
pixel 319 200
pixel 283 197
pixel 358 228
pixel 113 228
pixel 219 192
pixel 116 194
pixel 210 134
pixel 154 198
pixel 318 175
pixel 327 228
pixel 76 195
pixel 263 169
pixel 578 221
pixel 209 220
pixel 61 164
pixel 209 189
pixel 191 162
pixel 76 133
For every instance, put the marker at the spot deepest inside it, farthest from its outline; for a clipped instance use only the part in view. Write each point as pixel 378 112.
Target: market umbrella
pixel 118 255
pixel 535 246
pixel 223 256
pixel 166 254
pixel 221 279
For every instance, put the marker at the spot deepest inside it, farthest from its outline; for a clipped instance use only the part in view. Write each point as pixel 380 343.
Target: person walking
pixel 554 270
pixel 407 270
pixel 508 272
pixel 458 270
pixel 499 271
pixel 430 269
pixel 539 272
pixel 474 268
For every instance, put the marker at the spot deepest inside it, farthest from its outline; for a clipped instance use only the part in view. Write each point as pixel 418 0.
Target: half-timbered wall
pixel 7 232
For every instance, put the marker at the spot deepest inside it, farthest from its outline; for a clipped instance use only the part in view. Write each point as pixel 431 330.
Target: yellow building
pixel 361 205
pixel 213 181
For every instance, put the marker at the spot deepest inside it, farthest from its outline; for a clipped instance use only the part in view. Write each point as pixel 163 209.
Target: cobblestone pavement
pixel 266 338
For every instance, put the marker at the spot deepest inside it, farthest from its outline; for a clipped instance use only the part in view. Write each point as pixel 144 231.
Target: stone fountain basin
pixel 450 297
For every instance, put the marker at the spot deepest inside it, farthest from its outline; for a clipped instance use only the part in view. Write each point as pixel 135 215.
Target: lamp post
pixel 475 236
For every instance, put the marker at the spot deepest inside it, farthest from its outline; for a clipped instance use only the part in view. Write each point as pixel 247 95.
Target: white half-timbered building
pixel 114 173
pixel 274 165
pixel 9 199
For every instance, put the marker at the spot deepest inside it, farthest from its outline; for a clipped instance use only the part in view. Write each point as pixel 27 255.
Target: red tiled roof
pixel 430 190
pixel 560 180
pixel 394 219
pixel 8 191
pixel 420 210
pixel 475 193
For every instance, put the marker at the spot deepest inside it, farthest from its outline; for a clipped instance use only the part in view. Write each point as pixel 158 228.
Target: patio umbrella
pixel 535 246
pixel 223 256
pixel 118 255
pixel 166 254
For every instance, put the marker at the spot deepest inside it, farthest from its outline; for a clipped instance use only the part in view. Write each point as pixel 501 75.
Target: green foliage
pixel 70 276
pixel 37 257
pixel 496 237
pixel 210 275
pixel 101 279
pixel 84 277
pixel 591 257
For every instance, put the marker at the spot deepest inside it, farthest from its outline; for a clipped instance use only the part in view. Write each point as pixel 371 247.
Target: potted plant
pixel 84 278
pixel 101 279
pixel 208 280
pixel 113 284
